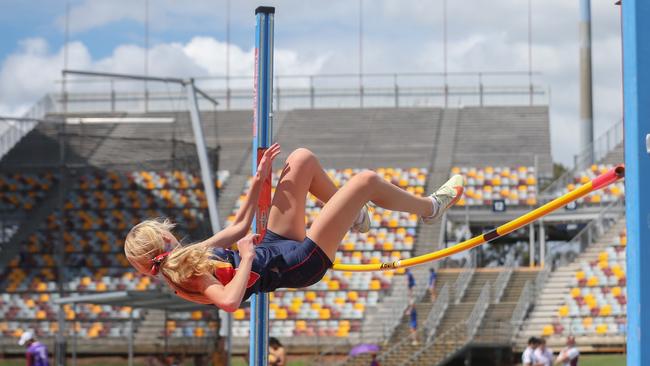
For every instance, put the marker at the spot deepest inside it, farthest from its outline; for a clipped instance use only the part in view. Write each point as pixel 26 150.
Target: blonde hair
pixel 146 240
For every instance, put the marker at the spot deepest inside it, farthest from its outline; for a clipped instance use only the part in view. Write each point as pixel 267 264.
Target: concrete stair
pixel 557 287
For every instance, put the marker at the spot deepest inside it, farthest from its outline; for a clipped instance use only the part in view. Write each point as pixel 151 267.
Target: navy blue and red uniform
pixel 279 263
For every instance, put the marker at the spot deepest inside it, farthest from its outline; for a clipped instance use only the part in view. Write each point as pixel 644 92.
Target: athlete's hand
pixel 265 165
pixel 246 246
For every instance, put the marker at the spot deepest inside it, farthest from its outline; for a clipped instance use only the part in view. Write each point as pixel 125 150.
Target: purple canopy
pixel 364 348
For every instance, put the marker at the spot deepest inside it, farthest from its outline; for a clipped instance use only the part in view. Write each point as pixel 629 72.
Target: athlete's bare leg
pixel 342 209
pixel 302 173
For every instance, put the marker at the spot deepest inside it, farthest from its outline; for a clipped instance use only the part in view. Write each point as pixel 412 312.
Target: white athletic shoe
pixel 446 196
pixel 362 225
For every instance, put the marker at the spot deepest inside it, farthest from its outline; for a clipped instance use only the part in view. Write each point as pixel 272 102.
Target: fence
pixel 314 91
pixel 595 152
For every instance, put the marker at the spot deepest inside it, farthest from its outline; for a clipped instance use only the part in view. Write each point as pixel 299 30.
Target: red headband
pixel 157 261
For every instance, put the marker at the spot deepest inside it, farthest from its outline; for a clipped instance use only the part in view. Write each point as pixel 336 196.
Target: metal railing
pixel 476 316
pixel 595 152
pixel 455 337
pixel 526 299
pixel 462 282
pixel 565 253
pixel 437 312
pixel 502 280
pixel 12 131
pixel 316 91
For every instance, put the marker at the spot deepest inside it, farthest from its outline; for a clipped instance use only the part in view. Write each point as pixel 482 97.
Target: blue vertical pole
pixel 636 92
pixel 262 137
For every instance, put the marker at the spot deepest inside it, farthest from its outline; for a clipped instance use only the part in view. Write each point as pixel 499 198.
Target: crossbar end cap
pixel 647 143
pixel 265 10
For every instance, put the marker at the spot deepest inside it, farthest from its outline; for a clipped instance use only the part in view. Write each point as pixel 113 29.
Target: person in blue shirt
pixel 413 321
pixel 410 282
pixel 432 283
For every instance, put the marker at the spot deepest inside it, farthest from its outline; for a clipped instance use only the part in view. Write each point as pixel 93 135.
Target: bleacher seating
pixel 596 302
pixel 335 306
pixel 608 194
pixel 99 210
pixel 23 191
pixel 514 185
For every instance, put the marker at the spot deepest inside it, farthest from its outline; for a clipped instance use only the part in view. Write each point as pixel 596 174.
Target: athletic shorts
pixel 300 264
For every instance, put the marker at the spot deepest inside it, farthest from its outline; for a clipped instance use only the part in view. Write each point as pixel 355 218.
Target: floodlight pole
pixel 262 137
pixel 636 91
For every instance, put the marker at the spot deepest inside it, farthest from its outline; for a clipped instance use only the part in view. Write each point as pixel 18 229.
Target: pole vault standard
pixel 262 137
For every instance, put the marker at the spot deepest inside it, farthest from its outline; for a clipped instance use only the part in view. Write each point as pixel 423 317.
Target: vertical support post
pixel 130 338
pixel 206 175
pixel 74 335
pixel 636 91
pixel 586 107
pixel 311 91
pixel 262 137
pixel 204 162
pixel 531 245
pixel 542 244
pixel 396 90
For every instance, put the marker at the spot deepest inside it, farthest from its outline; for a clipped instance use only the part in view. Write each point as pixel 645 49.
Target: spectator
pixel 543 354
pixel 413 321
pixel 36 351
pixel 410 282
pixel 432 283
pixel 570 354
pixel 276 350
pixel 374 361
pixel 528 357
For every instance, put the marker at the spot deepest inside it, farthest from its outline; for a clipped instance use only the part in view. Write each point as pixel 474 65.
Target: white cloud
pixel 33 70
pixel 400 36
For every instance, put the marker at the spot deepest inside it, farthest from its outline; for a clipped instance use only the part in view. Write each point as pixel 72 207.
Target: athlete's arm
pixel 230 296
pixel 244 216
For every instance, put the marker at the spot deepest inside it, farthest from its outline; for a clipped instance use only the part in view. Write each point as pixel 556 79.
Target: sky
pixel 188 38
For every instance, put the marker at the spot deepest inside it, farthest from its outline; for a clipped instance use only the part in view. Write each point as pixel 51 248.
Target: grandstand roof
pixel 150 299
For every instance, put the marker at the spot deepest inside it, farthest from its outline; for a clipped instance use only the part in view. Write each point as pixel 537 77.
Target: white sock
pixel 436 206
pixel 359 217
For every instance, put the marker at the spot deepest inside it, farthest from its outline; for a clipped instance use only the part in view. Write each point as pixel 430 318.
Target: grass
pixel 602 360
pixel 585 360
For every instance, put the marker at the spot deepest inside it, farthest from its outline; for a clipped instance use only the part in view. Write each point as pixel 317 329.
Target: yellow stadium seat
pixel 239 314
pixel 616 291
pixel 199 332
pixel 575 292
pixel 587 322
pixel 324 314
pixel 606 310
pixel 301 325
pixel 359 306
pixel 601 328
pixel 563 311
pixel 375 285
pixel 310 296
pixel 353 295
pixel 580 275
pixel 602 256
pixel 547 330
pixel 315 306
pixel 592 281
